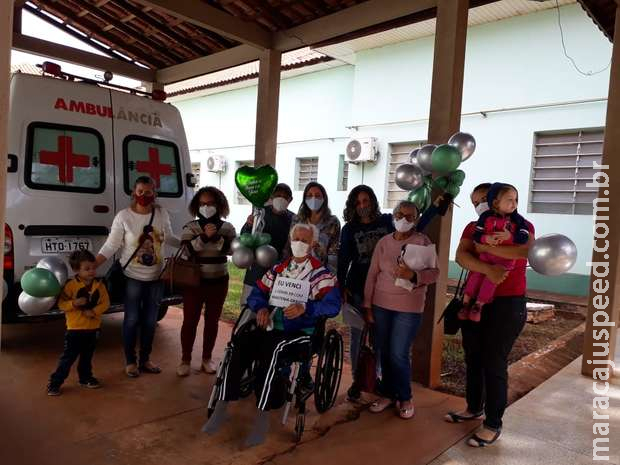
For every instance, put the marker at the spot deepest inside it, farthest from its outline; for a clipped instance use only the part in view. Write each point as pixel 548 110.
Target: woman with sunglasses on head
pixel 139 233
pixel 314 209
pixel 208 239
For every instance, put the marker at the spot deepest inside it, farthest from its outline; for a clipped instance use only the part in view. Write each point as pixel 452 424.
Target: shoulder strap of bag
pixel 460 285
pixel 139 243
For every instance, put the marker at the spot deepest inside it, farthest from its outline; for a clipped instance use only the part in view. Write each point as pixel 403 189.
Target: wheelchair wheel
pixel 328 371
pixel 300 424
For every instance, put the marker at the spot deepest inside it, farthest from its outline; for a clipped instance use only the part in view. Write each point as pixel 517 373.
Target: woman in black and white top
pixel 139 233
pixel 208 238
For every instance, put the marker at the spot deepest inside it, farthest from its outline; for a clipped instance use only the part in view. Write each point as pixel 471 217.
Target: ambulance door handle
pixel 101 209
pixel 12 168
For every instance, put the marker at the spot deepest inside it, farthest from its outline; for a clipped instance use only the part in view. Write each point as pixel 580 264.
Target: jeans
pixel 78 343
pixel 211 293
pixel 394 335
pixel 487 345
pixel 142 300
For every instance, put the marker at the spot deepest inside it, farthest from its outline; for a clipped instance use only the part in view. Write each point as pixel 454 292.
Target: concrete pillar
pixel 444 120
pixel 266 137
pixel 6 36
pixel 604 301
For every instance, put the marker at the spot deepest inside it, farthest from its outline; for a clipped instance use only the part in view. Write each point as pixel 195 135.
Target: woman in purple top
pixel 396 311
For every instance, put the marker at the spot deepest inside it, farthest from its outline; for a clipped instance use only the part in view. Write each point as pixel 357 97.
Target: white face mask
pixel 403 225
pixel 481 208
pixel 299 249
pixel 207 211
pixel 280 204
pixel 314 204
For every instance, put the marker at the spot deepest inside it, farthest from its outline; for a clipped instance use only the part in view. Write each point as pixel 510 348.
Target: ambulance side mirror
pixel 190 180
pixel 12 166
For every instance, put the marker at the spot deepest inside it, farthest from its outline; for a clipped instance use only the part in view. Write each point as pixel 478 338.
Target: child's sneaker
pixel 474 313
pixel 92 383
pixel 53 390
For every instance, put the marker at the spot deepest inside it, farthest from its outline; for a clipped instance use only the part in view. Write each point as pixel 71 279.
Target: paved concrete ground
pixel 551 425
pixel 156 419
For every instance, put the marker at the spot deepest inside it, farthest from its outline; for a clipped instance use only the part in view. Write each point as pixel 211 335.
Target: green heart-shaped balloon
pixel 256 184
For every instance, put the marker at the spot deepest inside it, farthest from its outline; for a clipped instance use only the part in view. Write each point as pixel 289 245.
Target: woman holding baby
pixel 394 298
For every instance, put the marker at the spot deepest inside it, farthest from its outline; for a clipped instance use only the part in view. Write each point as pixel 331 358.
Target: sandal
pixel 380 404
pixel 477 441
pixel 406 412
pixel 453 417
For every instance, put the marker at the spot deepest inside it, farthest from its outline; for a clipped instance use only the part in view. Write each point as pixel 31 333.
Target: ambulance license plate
pixel 55 245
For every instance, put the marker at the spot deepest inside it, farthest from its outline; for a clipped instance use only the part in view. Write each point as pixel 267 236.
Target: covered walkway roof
pixel 169 41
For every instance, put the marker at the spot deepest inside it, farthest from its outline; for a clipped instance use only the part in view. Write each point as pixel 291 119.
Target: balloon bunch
pixel 42 285
pixel 443 160
pixel 256 185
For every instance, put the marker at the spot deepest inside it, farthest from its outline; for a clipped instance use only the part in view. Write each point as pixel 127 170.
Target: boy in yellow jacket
pixel 83 299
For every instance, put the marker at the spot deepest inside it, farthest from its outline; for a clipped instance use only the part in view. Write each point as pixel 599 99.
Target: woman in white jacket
pixel 139 233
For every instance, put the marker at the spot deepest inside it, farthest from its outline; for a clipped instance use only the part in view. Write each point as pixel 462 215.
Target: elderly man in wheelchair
pixel 290 302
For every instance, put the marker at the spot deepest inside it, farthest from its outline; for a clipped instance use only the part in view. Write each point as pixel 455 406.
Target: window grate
pixel 561 169
pixel 307 172
pixel 399 154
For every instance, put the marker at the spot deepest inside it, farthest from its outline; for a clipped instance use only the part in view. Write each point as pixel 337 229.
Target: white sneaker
pixel 183 369
pixel 209 366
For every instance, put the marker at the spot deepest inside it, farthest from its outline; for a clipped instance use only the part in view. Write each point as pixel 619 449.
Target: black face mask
pixel 202 221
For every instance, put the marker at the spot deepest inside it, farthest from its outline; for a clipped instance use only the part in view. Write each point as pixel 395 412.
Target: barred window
pixel 562 166
pixel 343 174
pixel 399 154
pixel 307 171
pixel 196 173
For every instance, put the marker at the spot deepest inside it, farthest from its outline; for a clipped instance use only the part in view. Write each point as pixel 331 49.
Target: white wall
pixel 512 63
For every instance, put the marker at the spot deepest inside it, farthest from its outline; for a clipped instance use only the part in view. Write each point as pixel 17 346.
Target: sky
pixel 36 27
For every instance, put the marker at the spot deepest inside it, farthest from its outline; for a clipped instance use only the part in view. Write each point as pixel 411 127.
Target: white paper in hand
pixel 419 257
pixel 287 291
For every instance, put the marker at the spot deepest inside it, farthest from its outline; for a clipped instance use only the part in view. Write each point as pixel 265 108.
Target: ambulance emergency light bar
pixel 54 69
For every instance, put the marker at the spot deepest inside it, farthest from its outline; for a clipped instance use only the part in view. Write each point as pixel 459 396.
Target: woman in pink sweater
pixel 396 310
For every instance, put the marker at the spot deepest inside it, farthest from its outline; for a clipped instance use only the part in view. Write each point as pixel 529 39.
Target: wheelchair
pixel 327 348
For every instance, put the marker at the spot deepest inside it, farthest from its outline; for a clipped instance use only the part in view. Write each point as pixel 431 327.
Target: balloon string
pixel 259 220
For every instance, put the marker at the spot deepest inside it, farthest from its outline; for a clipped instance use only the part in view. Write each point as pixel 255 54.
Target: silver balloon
pixel 266 256
pixel 413 159
pixel 34 306
pixel 465 143
pixel 243 257
pixel 552 254
pixel 424 157
pixel 57 266
pixel 235 244
pixel 408 177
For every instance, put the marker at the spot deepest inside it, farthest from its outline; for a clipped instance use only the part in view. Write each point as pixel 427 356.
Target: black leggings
pixel 487 345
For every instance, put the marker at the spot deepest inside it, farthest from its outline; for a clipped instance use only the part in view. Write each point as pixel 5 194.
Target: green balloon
pixel 442 182
pixel 453 190
pixel 457 177
pixel 445 158
pixel 421 198
pixel 262 239
pixel 39 282
pixel 256 184
pixel 247 240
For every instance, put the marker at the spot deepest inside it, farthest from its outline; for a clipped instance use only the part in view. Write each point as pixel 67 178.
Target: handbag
pixel 366 369
pixel 115 277
pixel 180 272
pixel 451 322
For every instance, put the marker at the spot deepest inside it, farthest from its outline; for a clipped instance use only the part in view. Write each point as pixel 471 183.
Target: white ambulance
pixel 75 148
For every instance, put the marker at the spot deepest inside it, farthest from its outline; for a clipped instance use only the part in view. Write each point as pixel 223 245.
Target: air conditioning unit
pixel 362 150
pixel 216 164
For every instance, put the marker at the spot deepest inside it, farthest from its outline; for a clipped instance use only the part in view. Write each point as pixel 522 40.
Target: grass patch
pixel 231 308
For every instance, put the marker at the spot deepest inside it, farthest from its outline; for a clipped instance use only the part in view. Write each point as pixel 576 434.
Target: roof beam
pixel 211 63
pixel 360 16
pixel 204 15
pixel 76 56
